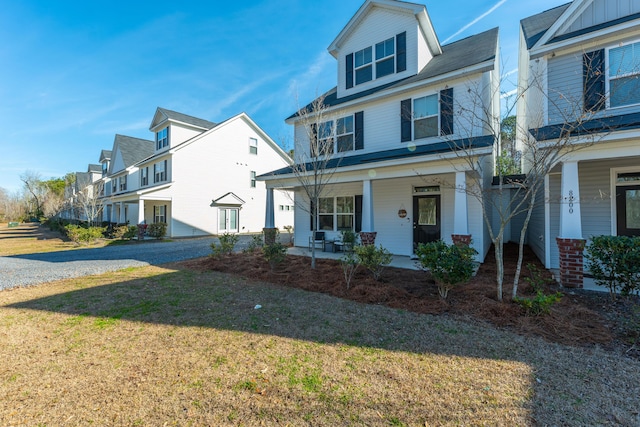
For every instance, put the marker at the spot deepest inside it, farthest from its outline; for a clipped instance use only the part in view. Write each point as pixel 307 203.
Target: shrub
pixel 540 304
pixel 275 254
pixel 125 232
pixel 255 243
pixel 349 265
pixel 79 234
pixel 289 230
pixel 450 265
pixel 373 258
pixel 537 280
pixel 614 262
pixel 227 244
pixel 157 230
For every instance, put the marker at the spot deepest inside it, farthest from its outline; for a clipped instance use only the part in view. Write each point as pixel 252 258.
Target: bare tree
pixel 34 186
pixel 314 168
pixel 89 202
pixel 512 196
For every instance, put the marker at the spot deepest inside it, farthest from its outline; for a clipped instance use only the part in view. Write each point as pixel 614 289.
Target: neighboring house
pixel 75 194
pixel 580 65
pixel 198 177
pixel 402 104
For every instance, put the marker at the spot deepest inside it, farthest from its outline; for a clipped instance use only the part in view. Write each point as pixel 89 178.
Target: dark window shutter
pixel 359 130
pixel 593 79
pixel 165 214
pixel 311 212
pixel 401 52
pixel 446 111
pixel 405 120
pixel 349 71
pixel 313 141
pixel 358 212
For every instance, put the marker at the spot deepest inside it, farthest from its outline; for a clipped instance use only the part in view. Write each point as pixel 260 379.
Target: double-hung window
pixel 344 133
pixel 114 185
pixel 253 146
pixel 160 214
pixel 162 138
pixel 336 210
pixel 144 176
pixel 425 116
pixel 363 67
pixel 160 171
pixel 123 183
pixel 325 213
pixel 105 168
pixel 252 179
pixel 344 213
pixel 325 138
pixel 624 75
pixel 385 58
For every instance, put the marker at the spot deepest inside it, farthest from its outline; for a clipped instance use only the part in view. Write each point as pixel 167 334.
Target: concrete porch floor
pixel 397 261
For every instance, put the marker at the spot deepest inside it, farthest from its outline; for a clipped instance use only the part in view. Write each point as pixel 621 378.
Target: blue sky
pixel 75 73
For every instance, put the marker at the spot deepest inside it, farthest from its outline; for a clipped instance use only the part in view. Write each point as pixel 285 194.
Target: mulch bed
pixel 581 318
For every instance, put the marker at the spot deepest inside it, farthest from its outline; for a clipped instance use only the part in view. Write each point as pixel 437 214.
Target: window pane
pixel 363 57
pixel 345 143
pixel 233 219
pixel 345 222
pixel 385 48
pixel 325 205
pixel 325 222
pixel 344 125
pixel 367 55
pixel 344 204
pixel 389 46
pixel 625 91
pixel 425 106
pixel 427 211
pixel 325 130
pixel 386 67
pixel 633 208
pixel 223 219
pixel 380 50
pixel 364 74
pixel 624 60
pixel 425 128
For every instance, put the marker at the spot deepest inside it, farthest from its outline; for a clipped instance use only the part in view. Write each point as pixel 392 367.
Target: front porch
pixel 398 261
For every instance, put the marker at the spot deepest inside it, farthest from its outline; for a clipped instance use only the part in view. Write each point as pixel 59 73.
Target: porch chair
pixel 317 240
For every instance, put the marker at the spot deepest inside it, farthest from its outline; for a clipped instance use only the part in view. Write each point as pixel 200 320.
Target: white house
pixel 404 117
pixel 580 65
pixel 198 177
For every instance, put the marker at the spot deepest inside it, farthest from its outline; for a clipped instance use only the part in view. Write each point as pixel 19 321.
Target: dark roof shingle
pixel 535 26
pixel 134 149
pixel 184 118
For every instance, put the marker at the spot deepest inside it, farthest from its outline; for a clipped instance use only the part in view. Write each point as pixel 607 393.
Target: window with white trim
pixel 253 146
pixel 385 58
pixel 144 176
pixel 160 171
pixel 160 214
pixel 344 134
pixel 338 211
pixel 426 116
pixel 162 138
pixel 105 168
pixel 624 75
pixel 123 183
pixel 339 137
pixel 114 185
pixel 363 67
pixel 252 178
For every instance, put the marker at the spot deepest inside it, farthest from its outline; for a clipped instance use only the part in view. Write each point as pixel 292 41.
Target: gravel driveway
pixel 33 269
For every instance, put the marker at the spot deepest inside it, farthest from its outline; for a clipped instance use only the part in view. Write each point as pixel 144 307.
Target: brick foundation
pixel 461 239
pixel 270 235
pixel 571 262
pixel 368 237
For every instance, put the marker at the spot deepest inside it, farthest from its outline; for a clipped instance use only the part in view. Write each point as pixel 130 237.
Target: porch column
pixel 270 231
pixel 367 235
pixel 113 218
pixel 460 213
pixel 122 219
pixel 570 241
pixel 141 211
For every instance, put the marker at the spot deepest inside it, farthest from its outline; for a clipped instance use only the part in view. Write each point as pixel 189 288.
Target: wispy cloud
pixel 301 83
pixel 476 20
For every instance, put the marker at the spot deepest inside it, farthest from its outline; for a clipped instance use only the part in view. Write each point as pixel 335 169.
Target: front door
pixel 228 220
pixel 426 219
pixel 628 210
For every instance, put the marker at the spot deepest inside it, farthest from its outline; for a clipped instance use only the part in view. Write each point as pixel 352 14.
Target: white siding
pixel 600 11
pixel 179 134
pixel 379 25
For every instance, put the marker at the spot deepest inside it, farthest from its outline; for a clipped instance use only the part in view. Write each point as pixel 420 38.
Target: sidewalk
pixel 397 261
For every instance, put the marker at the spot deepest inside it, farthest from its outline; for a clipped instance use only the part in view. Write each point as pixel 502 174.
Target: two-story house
pixel 579 74
pixel 401 126
pixel 197 176
pixel 77 192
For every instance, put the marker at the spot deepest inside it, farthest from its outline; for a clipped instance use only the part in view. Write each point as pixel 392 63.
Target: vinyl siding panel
pixel 179 134
pixel 600 11
pixel 554 218
pixel 536 229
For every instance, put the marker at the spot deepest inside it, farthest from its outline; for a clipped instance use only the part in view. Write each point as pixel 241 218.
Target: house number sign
pixel 571 199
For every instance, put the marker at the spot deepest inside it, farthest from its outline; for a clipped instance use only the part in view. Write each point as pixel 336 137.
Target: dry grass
pixel 170 346
pixel 30 238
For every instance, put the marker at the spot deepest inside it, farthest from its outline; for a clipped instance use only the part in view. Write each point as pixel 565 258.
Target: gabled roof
pixel 94 168
pixel 105 155
pixel 419 10
pixel 470 51
pixel 82 180
pixel 229 199
pixel 133 149
pixel 162 115
pixel 535 26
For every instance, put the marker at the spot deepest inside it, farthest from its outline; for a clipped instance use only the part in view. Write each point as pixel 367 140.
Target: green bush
pixel 450 265
pixel 349 265
pixel 373 258
pixel 157 230
pixel 275 254
pixel 614 262
pixel 540 304
pixel 227 244
pixel 79 234
pixel 125 232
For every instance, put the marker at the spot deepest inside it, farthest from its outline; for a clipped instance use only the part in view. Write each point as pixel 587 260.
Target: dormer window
pixel 162 138
pixel 105 168
pixel 385 58
pixel 364 70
